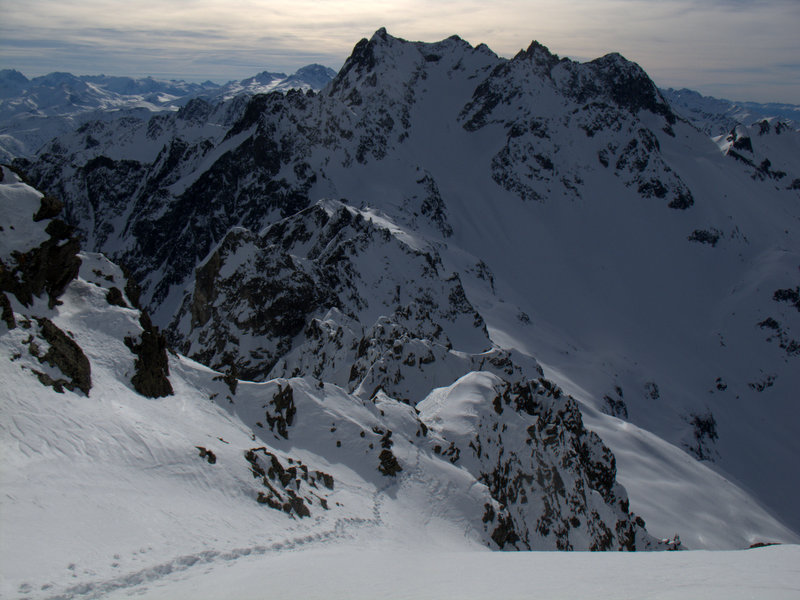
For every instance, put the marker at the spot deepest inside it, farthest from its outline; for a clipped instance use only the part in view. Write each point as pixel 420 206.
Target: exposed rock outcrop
pixel 152 364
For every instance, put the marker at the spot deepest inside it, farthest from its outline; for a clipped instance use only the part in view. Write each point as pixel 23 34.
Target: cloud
pixel 679 42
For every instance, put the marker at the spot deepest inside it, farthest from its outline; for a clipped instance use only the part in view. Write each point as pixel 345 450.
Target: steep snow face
pixel 652 277
pixel 20 203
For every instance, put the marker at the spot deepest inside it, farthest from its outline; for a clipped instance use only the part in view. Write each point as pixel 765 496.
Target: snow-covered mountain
pixel 94 401
pixel 716 116
pixel 512 303
pixel 33 111
pixel 311 77
pixel 768 149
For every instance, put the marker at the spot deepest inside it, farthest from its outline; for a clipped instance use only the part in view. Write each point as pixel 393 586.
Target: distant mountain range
pixel 717 117
pixel 33 111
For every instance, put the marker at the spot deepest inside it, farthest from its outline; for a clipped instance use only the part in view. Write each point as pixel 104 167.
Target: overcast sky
pixel 736 49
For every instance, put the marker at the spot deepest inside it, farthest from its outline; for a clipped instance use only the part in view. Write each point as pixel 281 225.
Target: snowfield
pixel 351 572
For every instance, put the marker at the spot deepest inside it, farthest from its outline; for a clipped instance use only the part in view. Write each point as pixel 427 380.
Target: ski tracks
pixel 343 528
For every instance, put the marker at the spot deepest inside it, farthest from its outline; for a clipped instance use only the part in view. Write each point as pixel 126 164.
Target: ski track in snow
pixel 341 530
pixel 344 528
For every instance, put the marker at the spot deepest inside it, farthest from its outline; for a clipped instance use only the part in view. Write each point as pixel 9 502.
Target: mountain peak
pixel 263 78
pixel 381 35
pixel 12 76
pixel 55 78
pixel 314 69
pixel 315 75
pixel 11 82
pixel 539 54
pixel 630 86
pixel 363 57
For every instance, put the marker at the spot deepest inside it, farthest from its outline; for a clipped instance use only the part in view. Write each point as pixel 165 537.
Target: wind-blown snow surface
pixel 380 571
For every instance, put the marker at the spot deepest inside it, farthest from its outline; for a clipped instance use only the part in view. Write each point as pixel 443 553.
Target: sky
pixel 735 49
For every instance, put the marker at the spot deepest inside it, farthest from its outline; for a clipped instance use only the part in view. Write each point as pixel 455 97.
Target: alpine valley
pixel 439 300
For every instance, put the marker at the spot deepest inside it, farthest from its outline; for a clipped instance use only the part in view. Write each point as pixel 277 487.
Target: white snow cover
pixel 19 203
pixel 374 571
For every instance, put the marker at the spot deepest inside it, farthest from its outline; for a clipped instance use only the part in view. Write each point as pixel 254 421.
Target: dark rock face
pixel 273 307
pixel 110 187
pixel 615 406
pixel 7 311
pixel 114 297
pixel 293 488
pixel 628 86
pixel 132 290
pixel 322 258
pixel 551 481
pixel 781 331
pixel 49 209
pixel 388 465
pixel 152 366
pixel 704 435
pixel 65 355
pixel 47 268
pixel 281 416
pixel 788 295
pixel 209 455
pixel 362 59
pixel 705 236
